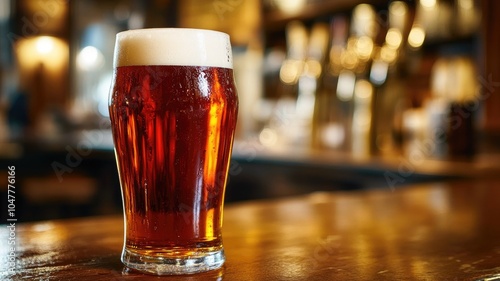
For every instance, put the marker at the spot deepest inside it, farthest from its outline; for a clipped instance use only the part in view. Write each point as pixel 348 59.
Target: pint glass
pixel 173 108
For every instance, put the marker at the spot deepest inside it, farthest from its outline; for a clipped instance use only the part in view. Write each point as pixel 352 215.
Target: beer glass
pixel 173 108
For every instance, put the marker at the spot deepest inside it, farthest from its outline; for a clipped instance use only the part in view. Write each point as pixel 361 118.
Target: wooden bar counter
pixel 439 231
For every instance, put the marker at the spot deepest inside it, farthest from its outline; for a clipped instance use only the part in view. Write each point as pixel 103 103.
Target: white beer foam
pixel 173 46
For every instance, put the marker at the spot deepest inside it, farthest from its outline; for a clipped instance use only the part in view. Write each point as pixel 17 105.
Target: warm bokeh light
pixel 333 135
pixel 50 51
pixel 290 6
pixel 268 137
pixel 393 38
pixel 349 59
pixel 364 21
pixel 363 90
pixel 416 37
pixel 454 79
pixel 313 68
pixel 290 71
pixel 44 45
pixel 388 54
pixel 361 118
pixel 398 11
pixel 296 40
pixel 345 85
pixel 428 3
pixel 398 8
pixel 364 47
pixel 90 58
pixel 439 81
pixel 414 120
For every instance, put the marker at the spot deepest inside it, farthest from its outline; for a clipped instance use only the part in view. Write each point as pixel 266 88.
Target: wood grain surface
pixel 440 231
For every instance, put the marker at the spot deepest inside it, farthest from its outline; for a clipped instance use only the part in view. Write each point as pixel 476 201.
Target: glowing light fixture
pixel 44 45
pixel 52 52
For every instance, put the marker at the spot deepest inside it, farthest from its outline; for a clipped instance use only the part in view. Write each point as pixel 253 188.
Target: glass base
pixel 173 266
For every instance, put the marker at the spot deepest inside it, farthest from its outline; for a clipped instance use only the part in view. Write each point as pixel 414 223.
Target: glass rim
pixel 170 29
pixel 173 46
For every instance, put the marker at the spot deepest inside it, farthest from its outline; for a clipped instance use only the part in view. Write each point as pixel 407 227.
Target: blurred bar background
pixel 334 95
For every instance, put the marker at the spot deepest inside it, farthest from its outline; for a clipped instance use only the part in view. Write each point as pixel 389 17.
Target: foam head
pixel 173 46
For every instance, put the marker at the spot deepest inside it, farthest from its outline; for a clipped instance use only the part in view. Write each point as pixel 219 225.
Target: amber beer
pixel 173 108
